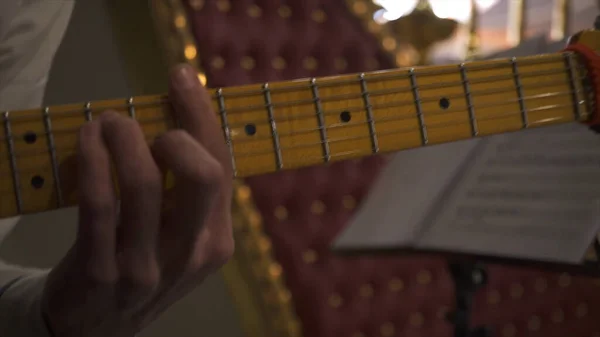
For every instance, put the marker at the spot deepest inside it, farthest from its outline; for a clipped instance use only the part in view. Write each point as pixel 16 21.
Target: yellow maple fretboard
pixel 294 124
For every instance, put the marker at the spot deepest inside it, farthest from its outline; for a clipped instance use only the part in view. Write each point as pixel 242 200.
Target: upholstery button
pixel 516 290
pixel 493 297
pixel 248 63
pixel 243 193
pixel 372 63
pixel 349 202
pixel 190 52
pixel 223 5
pixel 318 16
pixel 317 207
pixel 540 285
pixel 278 63
pixel 309 256
pixel 359 7
pixel 387 329
pixel 564 280
pixel 389 43
pixel 396 285
pixel 534 323
pixel 335 300
pixel 217 62
pixel 196 4
pixel 254 11
pixel 509 330
pixel 558 316
pixel 281 213
pixel 416 319
pixel 284 11
pixel 180 22
pixel 424 277
pixel 581 310
pixel 366 291
pixel 254 221
pixel 310 63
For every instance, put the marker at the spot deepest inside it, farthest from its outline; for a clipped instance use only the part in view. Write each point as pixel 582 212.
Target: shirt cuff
pixel 20 307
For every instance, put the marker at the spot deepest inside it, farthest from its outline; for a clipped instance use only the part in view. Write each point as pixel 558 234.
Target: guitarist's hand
pixel 127 267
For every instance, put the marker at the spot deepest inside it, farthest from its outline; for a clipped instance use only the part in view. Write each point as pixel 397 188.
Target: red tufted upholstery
pixel 244 41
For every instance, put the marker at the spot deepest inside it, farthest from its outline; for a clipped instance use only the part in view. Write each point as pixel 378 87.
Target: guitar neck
pixel 308 122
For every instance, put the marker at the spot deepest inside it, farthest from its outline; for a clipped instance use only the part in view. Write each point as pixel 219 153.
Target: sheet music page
pixel 529 195
pixel 405 191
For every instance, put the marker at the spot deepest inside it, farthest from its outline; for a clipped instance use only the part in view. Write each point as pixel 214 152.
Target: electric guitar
pixel 277 126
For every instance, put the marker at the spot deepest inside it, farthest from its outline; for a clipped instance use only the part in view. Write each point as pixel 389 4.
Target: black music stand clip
pixel 468 278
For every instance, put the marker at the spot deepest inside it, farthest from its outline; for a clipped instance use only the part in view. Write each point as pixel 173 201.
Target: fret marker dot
pixel 250 129
pixel 444 103
pixel 345 116
pixel 30 137
pixel 37 182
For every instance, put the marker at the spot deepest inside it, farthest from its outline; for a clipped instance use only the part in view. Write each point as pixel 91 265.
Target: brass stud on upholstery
pixel 281 213
pixel 424 277
pixel 180 22
pixel 223 5
pixel 248 63
pixel 309 256
pixel 275 270
pixel 417 319
pixel 366 291
pixel 190 52
pixel 564 280
pixel 317 207
pixel 558 316
pixel 284 11
pixel 202 78
pixel 541 284
pixel 217 63
pixel 279 63
pixel 581 310
pixel 359 7
pixel 310 63
pixel 318 16
pixel 335 300
pixel 516 290
pixel 389 43
pixel 493 297
pixel 254 11
pixel 387 329
pixel 396 285
pixel 509 330
pixel 534 323
pixel 349 202
pixel 197 4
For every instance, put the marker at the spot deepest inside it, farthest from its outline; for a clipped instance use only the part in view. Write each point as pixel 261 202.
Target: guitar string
pixel 259 93
pixel 325 113
pixel 392 132
pixel 395 118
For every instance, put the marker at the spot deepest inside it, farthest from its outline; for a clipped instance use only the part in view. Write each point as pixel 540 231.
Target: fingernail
pixel 186 76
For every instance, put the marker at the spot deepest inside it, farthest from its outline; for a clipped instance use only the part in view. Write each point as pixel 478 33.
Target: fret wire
pixel 274 134
pixel 88 111
pixel 226 130
pixel 470 107
pixel 13 162
pixel 131 108
pixel 569 64
pixel 417 97
pixel 52 150
pixel 369 110
pixel 321 119
pixel 517 79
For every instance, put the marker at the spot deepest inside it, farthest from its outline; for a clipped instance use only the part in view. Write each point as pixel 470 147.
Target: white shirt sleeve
pixel 30 34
